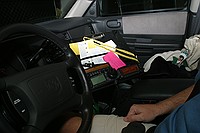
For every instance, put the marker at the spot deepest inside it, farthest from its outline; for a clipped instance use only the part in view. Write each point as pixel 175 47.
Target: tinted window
pixel 32 11
pixel 16 11
pixel 117 7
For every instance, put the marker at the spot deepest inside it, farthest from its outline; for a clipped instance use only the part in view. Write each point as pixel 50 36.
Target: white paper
pixel 86 52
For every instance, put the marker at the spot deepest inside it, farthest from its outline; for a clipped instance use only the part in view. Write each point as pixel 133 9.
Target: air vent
pixel 67 36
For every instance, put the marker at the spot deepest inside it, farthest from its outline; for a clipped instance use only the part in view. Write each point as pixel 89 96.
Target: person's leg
pixel 111 124
pixel 100 124
pixel 72 125
pixel 107 124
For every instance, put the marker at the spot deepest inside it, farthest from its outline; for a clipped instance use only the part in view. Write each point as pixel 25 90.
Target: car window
pixel 119 7
pixel 16 11
pixel 32 11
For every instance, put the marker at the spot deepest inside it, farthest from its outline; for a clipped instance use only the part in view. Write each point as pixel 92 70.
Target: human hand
pixel 142 112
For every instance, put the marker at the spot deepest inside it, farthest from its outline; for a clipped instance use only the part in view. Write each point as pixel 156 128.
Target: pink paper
pixel 113 60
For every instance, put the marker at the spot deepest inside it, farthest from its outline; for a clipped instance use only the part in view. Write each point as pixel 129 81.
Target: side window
pixel 117 7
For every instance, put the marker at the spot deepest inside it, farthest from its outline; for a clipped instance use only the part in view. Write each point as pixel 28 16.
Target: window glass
pixel 16 11
pixel 117 7
pixel 32 11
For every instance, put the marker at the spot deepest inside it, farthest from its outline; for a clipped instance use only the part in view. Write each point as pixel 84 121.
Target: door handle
pixel 113 24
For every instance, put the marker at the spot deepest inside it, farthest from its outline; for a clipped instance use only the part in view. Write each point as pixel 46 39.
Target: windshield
pixel 32 11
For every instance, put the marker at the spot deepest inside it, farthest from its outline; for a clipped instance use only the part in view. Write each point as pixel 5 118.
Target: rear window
pixel 119 7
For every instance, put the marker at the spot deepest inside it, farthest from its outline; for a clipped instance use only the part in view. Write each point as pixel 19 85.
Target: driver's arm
pixel 148 112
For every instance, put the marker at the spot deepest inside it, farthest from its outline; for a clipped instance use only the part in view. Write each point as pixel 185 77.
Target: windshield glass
pixel 32 11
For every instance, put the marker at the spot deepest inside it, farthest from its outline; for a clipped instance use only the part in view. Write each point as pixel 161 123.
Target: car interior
pixel 42 77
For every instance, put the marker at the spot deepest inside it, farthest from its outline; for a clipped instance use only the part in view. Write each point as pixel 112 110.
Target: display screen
pixel 98 79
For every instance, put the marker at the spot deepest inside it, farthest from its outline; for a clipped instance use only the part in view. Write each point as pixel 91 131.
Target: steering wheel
pixel 41 94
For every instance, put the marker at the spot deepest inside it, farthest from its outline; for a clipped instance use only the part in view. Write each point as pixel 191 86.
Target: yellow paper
pixel 74 46
pixel 91 44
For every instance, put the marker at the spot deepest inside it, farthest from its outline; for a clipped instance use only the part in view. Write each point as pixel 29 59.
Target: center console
pixel 102 76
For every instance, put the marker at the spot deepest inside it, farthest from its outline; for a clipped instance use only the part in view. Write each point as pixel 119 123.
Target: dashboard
pixel 25 51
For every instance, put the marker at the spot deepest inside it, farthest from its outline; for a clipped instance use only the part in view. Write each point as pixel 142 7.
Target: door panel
pixel 154 30
pixel 146 46
pixel 148 34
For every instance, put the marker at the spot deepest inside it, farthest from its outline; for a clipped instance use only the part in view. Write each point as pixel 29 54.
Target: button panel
pixel 19 105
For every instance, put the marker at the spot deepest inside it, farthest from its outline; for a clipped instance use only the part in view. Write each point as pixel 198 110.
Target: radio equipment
pixel 103 75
